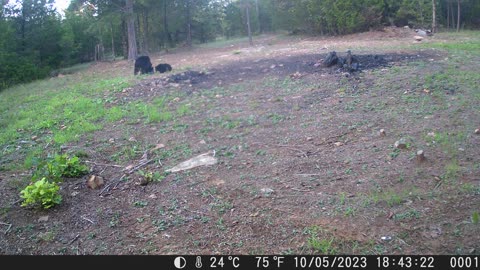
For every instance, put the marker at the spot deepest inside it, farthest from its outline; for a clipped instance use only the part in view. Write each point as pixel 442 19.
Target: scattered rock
pixel 34 138
pixel 338 144
pixel 272 66
pixel 43 219
pixel 267 191
pixel 202 142
pixel 158 146
pixel 144 181
pixel 200 160
pixel 420 156
pixel 309 139
pixel 418 38
pixel 401 144
pixel 477 131
pixel 75 193
pixel 296 75
pixel 431 134
pixel 461 149
pixel 382 132
pixel 95 182
pixel 153 196
pixel 111 140
pixel 386 238
pixel 421 33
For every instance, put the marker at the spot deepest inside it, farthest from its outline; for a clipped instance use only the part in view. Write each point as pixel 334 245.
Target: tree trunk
pixel 257 9
pixel 124 40
pixel 421 13
pixel 458 15
pixel 189 24
pixel 138 29
pixel 448 15
pixel 132 39
pixel 434 21
pixel 249 30
pixel 167 38
pixel 145 34
pixel 113 42
pixel 453 15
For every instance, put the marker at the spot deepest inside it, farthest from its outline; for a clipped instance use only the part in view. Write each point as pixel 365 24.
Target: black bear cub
pixel 163 68
pixel 143 65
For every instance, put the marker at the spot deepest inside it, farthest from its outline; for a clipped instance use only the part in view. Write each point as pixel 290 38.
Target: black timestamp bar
pixel 249 262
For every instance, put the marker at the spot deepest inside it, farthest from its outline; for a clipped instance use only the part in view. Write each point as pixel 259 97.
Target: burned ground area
pixel 295 67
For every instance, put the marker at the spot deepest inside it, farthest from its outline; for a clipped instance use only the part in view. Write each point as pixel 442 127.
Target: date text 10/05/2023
pixel 343 262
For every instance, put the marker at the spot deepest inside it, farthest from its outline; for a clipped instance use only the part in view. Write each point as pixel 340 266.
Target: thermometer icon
pixel 198 263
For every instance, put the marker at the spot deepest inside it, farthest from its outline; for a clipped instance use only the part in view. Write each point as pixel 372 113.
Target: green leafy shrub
pixel 41 193
pixel 53 169
pixel 72 166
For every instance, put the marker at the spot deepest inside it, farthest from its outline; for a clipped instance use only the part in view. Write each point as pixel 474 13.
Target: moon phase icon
pixel 180 262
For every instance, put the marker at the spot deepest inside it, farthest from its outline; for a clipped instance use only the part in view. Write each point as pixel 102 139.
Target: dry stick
pixel 108 186
pixel 198 212
pixel 139 166
pixel 87 219
pixel 101 164
pixel 17 201
pixel 6 224
pixel 75 238
pixel 294 149
pixel 125 174
pixel 120 180
pixel 301 190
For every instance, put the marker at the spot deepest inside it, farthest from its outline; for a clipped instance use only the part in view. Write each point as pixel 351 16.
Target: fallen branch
pixel 307 174
pixel 75 238
pixel 106 165
pixel 107 187
pixel 294 149
pixel 136 168
pixel 87 219
pixel 301 190
pixel 198 212
pixel 6 224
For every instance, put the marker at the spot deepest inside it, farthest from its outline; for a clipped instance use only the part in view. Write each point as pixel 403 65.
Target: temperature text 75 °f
pixel 264 262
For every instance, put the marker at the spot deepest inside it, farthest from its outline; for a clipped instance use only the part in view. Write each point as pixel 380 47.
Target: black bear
pixel 163 68
pixel 143 65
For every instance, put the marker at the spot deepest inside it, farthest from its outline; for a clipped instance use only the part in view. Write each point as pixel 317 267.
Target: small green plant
pixel 53 169
pixel 395 153
pixel 140 204
pixel 152 176
pixel 42 193
pixel 475 217
pixel 324 246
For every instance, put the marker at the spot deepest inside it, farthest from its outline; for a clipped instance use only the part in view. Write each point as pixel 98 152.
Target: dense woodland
pixel 36 40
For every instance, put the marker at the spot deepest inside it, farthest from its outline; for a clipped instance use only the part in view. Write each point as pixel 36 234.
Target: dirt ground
pixel 302 167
